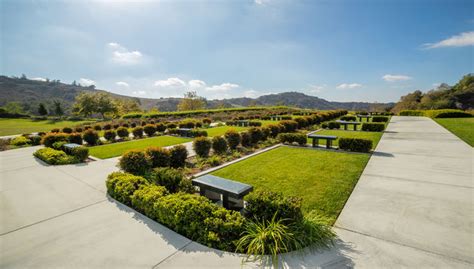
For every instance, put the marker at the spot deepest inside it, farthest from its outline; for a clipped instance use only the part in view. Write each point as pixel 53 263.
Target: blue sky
pixel 338 50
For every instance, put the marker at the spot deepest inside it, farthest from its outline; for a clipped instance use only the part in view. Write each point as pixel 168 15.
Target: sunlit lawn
pixel 374 136
pixel 117 149
pixel 461 127
pixel 220 130
pixel 324 179
pixel 21 126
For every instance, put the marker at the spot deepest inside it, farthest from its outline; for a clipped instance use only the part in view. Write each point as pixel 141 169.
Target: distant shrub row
pixel 441 113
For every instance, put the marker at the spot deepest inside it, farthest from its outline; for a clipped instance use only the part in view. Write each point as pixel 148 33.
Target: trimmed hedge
pixel 54 157
pixel 202 146
pixel 20 141
pixel 373 127
pixel 149 129
pixel 121 186
pixel 233 138
pixel 172 179
pixel 178 156
pixel 91 137
pixel 145 197
pixel 122 132
pixel 355 144
pixel 49 139
pixel 75 138
pixel 263 205
pixel 447 113
pixel 411 113
pixel 219 145
pixel 349 118
pixel 334 125
pixel 292 138
pixel 137 132
pixel 289 125
pixel 380 119
pixel 110 135
pixel 159 157
pixel 135 162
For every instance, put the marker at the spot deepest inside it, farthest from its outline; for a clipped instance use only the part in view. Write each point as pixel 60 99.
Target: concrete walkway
pixel 412 208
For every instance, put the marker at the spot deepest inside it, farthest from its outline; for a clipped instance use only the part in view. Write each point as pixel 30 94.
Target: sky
pixel 366 50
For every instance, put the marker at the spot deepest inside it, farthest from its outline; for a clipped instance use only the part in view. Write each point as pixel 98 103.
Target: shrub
pixel 264 205
pixel 178 156
pixel 143 199
pixel 289 125
pixel 197 133
pixel 373 127
pixel 55 130
pixel 170 178
pixel 116 126
pixel 411 113
pixel 202 146
pixel 49 139
pixel 334 125
pixel 324 125
pixel 349 118
pixel 54 157
pixel 207 121
pixel 125 125
pixel 67 130
pixel 91 137
pixel 110 135
pixel 224 228
pixel 20 141
pixel 233 138
pixel 149 129
pixel 255 123
pixel 133 124
pixel 97 127
pixel 447 113
pixel 137 132
pixel 135 162
pixel 122 132
pixel 78 130
pixel 379 119
pixel 292 138
pixel 121 186
pixel 75 138
pixel 159 157
pixel 355 144
pixel 160 127
pixel 302 122
pixel 219 145
pixel 35 139
pixel 107 126
pixel 80 153
pixel 245 139
pixel 59 145
pixel 187 124
pixel 87 127
pixel 274 129
pixel 255 135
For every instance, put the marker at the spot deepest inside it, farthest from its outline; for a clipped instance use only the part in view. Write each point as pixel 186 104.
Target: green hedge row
pixel 355 144
pixel 59 157
pixel 439 113
pixel 373 126
pixel 291 138
pixel 142 161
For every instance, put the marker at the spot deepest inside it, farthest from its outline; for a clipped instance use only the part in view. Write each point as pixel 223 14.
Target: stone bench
pixel 315 137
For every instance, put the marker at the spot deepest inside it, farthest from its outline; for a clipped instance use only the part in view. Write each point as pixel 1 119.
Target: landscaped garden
pixel 22 126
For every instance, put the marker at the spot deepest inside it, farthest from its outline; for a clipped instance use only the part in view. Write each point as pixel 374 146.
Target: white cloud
pixel 316 88
pixel 196 84
pixel 224 87
pixel 86 82
pixel 250 93
pixel 436 84
pixel 122 84
pixel 461 40
pixel 38 79
pixel 122 55
pixel 394 78
pixel 349 86
pixel 170 82
pixel 261 2
pixel 139 93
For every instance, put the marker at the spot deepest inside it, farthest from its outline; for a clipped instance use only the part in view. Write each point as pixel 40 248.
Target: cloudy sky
pixel 366 50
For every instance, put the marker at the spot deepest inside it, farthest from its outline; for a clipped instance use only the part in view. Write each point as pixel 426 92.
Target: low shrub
pixel 289 125
pixel 349 118
pixel 245 139
pixel 159 157
pixel 219 145
pixel 380 119
pixel 59 145
pixel 145 197
pixel 291 138
pixel 91 137
pixel 202 146
pixel 198 133
pixel 35 139
pixel 122 132
pixel 20 141
pixel 264 205
pixel 54 157
pixel 149 129
pixel 355 144
pixel 447 113
pixel 233 138
pixel 55 130
pixel 160 127
pixel 135 162
pixel 97 127
pixel 373 127
pixel 67 130
pixel 275 129
pixel 324 125
pixel 75 138
pixel 207 121
pixel 80 153
pixel 110 135
pixel 107 126
pixel 255 123
pixel 121 186
pixel 178 156
pixel 137 132
pixel 78 130
pixel 49 139
pixel 334 125
pixel 170 178
pixel 411 113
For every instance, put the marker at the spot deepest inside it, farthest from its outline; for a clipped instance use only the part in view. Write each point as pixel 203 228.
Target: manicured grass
pixel 268 122
pixel 220 130
pixel 461 127
pixel 324 179
pixel 117 149
pixel 374 136
pixel 21 126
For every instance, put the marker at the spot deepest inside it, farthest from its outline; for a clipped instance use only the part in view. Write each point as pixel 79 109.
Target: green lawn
pixel 323 179
pixel 220 130
pixel 374 136
pixel 461 127
pixel 117 149
pixel 21 126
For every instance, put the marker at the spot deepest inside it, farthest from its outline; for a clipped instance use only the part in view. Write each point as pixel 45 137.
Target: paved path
pixel 412 207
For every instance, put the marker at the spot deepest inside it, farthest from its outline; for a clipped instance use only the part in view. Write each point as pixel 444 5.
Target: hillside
pixel 31 92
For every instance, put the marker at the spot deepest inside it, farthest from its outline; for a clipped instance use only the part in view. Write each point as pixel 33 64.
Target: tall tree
pixel 42 110
pixel 192 101
pixel 58 110
pixel 96 102
pixel 14 107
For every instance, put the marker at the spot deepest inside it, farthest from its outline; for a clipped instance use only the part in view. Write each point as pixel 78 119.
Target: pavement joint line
pixel 172 254
pixel 15 169
pixel 78 179
pixel 53 217
pixel 418 181
pixel 405 245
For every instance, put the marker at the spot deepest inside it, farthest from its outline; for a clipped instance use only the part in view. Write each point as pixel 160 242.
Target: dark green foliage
pixel 373 127
pixel 264 205
pixel 149 129
pixel 35 140
pixel 379 119
pixel 135 162
pixel 137 132
pixel 160 127
pixel 55 130
pixel 178 156
pixel 302 122
pixel 54 157
pixel 245 139
pixel 59 145
pixel 78 130
pixel 355 144
pixel 233 138
pixel 75 138
pixel 289 125
pixel 121 186
pixel 447 113
pixel 67 130
pixel 42 110
pixel 255 123
pixel 292 138
pixel 91 137
pixel 144 198
pixel 97 127
pixel 170 178
pixel 80 153
pixel 159 157
pixel 107 126
pixel 49 139
pixel 219 145
pixel 334 125
pixel 110 135
pixel 255 135
pixel 202 146
pixel 348 118
pixel 275 129
pixel 122 132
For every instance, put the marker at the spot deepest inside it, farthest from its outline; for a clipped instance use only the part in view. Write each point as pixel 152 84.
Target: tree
pixel 192 101
pixel 42 110
pixel 14 108
pixel 125 106
pixel 74 83
pixel 105 104
pixel 58 110
pixel 99 102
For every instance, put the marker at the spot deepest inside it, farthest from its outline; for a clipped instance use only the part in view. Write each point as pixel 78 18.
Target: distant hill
pixel 32 92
